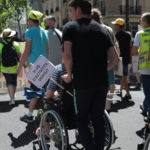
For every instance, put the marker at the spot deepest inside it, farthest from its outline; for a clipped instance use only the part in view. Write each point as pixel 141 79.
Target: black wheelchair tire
pixel 109 131
pixel 147 143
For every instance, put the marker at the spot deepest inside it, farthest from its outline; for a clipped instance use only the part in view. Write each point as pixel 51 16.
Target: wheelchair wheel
pixel 53 134
pixel 147 143
pixel 109 131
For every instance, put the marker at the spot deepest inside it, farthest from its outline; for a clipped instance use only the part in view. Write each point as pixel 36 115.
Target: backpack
pixel 9 55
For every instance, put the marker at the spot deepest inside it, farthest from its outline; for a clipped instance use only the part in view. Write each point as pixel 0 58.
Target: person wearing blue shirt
pixel 36 44
pixel 39 42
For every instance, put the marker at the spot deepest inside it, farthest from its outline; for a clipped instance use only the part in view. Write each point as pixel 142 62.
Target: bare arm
pixel 67 59
pixel 134 50
pixel 113 57
pixel 24 55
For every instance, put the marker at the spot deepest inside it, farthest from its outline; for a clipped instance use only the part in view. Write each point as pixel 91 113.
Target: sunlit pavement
pixel 125 115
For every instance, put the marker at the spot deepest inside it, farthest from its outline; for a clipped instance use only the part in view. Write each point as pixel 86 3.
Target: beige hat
pixel 7 33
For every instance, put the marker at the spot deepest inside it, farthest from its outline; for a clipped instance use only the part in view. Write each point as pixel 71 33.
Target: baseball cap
pixel 35 15
pixel 119 21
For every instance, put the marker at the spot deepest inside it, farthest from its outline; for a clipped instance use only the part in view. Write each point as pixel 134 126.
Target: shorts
pixel 36 89
pixel 125 69
pixel 111 77
pixel 11 79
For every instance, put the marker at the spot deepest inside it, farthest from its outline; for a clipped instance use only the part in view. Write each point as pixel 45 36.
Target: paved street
pixel 125 116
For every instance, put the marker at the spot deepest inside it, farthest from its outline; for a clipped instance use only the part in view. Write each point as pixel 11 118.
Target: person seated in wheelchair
pixel 58 91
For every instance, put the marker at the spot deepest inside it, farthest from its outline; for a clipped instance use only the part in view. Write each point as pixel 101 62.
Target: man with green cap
pixel 36 39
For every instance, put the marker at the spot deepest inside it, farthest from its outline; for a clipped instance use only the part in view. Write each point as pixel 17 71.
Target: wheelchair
pixel 58 117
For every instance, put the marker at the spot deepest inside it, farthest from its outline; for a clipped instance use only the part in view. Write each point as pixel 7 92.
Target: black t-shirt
pixel 90 42
pixel 124 39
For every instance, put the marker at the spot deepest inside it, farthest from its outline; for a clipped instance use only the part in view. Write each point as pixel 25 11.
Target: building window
pixel 134 7
pixel 57 8
pixel 64 1
pixel 102 6
pixel 47 12
pixel 52 10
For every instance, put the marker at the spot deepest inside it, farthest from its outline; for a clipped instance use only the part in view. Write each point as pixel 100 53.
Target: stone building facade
pixel 111 9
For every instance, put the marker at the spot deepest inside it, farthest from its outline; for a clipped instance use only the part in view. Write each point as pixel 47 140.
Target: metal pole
pixel 127 15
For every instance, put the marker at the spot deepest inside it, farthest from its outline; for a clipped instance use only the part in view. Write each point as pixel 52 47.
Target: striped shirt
pixel 56 76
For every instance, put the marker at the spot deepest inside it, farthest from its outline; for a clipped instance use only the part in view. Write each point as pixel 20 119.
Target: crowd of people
pixel 85 53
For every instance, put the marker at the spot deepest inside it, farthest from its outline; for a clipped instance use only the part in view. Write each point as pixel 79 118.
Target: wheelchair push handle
pixel 61 87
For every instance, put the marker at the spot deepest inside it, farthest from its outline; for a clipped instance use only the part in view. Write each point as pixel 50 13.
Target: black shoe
pixel 27 119
pixel 141 107
pixel 127 97
pixel 138 86
pixel 140 146
pixel 119 93
pixel 144 113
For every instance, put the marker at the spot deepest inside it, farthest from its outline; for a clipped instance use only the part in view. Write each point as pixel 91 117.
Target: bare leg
pixel 137 74
pixel 126 85
pixel 11 91
pixel 121 84
pixel 49 94
pixel 112 88
pixel 32 104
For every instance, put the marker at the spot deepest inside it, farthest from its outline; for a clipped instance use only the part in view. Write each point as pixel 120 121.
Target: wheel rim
pixel 53 135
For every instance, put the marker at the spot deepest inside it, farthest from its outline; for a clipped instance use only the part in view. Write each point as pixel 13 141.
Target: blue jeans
pixel 146 89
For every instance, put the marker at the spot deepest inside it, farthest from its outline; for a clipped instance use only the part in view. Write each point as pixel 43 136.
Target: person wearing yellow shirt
pixel 141 46
pixel 9 58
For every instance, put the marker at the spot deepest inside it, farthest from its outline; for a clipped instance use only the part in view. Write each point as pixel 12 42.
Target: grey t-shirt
pixel 55 53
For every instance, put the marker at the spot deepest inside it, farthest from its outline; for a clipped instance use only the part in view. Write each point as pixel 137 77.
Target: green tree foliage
pixel 12 10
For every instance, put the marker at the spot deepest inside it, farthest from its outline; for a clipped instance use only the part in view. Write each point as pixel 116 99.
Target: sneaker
pixel 127 97
pixel 12 102
pixel 119 93
pixel 141 107
pixel 138 86
pixel 27 119
pixel 144 113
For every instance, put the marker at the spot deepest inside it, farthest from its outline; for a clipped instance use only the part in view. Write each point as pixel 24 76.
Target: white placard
pixel 40 72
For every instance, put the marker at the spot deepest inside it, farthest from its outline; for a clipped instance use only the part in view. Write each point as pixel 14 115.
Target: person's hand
pixel 19 69
pixel 67 78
